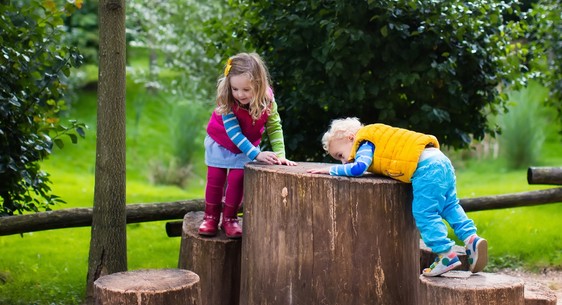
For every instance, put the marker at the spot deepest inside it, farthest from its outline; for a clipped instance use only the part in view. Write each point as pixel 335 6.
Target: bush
pixel 523 126
pixel 33 65
pixel 431 66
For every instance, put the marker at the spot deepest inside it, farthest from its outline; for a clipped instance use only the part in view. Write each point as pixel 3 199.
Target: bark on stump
pixel 148 287
pixel 215 259
pixel 465 288
pixel 318 239
pixel 427 257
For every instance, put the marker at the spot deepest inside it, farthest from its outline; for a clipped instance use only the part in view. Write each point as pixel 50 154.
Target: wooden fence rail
pixel 82 217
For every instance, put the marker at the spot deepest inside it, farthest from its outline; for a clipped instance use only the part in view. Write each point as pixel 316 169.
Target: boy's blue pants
pixel 435 199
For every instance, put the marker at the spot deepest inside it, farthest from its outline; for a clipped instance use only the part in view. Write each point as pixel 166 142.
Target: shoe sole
pixel 482 259
pixel 449 268
pixel 207 234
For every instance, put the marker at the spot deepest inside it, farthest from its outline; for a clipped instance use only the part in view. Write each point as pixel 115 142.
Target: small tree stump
pixel 538 294
pixel 465 288
pixel 215 259
pixel 427 257
pixel 320 239
pixel 148 287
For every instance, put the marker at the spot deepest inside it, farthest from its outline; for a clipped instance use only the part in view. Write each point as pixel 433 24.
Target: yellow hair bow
pixel 228 66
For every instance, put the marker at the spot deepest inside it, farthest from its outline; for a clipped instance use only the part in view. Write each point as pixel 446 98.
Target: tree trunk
pixel 319 239
pixel 108 248
pixel 148 287
pixel 544 175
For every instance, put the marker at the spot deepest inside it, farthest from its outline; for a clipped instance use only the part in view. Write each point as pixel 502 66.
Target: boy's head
pixel 338 140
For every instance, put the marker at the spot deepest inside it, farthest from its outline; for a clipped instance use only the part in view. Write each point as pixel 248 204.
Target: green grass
pixel 50 267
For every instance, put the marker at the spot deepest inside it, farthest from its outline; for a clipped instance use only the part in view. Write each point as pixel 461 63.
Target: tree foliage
pixel 33 65
pixel 431 66
pixel 545 35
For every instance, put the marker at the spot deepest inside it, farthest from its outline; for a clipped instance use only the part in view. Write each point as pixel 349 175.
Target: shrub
pixel 33 65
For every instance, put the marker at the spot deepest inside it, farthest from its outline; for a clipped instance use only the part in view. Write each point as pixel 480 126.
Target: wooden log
pixel 215 259
pixel 465 288
pixel 148 287
pixel 522 199
pixel 174 228
pixel 538 294
pixel 544 175
pixel 427 257
pixel 319 239
pixel 82 217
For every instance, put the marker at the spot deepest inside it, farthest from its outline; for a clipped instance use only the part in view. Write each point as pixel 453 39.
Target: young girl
pixel 245 108
pixel 415 158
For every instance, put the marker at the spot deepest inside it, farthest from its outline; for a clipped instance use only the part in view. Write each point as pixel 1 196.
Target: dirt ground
pixel 549 278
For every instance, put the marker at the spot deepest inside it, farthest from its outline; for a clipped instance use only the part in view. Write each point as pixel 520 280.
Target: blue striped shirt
pixel 363 159
pixel 234 132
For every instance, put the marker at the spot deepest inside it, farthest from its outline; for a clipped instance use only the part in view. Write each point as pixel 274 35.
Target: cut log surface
pixel 539 294
pixel 148 287
pixel 465 288
pixel 320 239
pixel 215 259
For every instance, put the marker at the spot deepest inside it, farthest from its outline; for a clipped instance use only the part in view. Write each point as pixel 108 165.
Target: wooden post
pixel 318 239
pixel 466 288
pixel 215 259
pixel 148 287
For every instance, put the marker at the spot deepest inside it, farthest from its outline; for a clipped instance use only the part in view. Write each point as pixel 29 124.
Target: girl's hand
pixel 287 162
pixel 268 157
pixel 319 170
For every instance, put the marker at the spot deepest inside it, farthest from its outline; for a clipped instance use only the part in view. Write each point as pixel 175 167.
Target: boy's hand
pixel 319 170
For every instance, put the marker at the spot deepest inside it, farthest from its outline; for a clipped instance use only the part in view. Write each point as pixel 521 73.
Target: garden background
pixel 170 96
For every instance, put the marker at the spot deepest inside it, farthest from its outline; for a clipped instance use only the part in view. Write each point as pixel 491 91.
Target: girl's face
pixel 241 87
pixel 340 149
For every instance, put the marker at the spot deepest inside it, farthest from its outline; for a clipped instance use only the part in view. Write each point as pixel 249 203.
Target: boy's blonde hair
pixel 339 129
pixel 252 66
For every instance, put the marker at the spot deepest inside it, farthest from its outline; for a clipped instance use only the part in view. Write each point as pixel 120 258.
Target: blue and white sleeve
pixel 363 159
pixel 235 134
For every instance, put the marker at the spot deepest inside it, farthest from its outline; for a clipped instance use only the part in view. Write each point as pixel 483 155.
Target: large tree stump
pixel 215 259
pixel 465 288
pixel 148 287
pixel 318 239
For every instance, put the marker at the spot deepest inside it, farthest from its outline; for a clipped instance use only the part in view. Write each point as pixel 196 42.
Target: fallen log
pixel 82 217
pixel 514 200
pixel 544 175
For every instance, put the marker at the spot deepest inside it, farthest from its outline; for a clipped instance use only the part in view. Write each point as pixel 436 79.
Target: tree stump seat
pixel 148 287
pixel 538 294
pixel 427 257
pixel 215 259
pixel 466 288
pixel 320 239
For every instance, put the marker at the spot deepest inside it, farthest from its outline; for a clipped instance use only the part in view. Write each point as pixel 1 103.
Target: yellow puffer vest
pixel 397 150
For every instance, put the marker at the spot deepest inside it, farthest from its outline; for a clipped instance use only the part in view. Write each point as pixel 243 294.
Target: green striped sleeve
pixel 275 131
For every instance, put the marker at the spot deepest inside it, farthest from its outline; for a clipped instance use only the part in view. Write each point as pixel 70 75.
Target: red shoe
pixel 210 225
pixel 230 224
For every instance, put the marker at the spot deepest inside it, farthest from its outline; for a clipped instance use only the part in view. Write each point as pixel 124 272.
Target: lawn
pixel 50 267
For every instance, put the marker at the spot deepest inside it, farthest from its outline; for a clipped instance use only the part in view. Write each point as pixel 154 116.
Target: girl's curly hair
pixel 251 65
